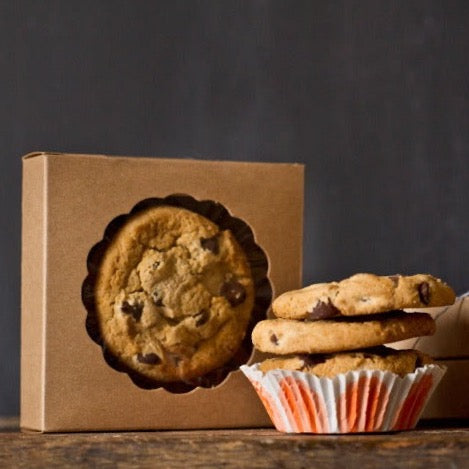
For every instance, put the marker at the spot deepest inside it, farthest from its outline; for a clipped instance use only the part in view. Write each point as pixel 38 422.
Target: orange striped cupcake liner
pixel 353 402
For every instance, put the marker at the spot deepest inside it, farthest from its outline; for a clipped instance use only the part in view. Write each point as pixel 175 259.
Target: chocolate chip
pixel 274 339
pixel 424 292
pixel 395 279
pixel 135 310
pixel 173 321
pixel 210 244
pixel 201 318
pixel 149 358
pixel 323 310
pixel 312 360
pixel 155 265
pixel 234 292
pixel 155 296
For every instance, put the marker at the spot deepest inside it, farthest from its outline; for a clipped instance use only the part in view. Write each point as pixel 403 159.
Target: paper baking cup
pixel 353 402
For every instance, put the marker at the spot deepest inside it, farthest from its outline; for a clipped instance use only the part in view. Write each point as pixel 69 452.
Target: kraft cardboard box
pixel 450 347
pixel 68 202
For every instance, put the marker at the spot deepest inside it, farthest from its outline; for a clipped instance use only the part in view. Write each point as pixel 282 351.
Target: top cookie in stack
pixel 356 314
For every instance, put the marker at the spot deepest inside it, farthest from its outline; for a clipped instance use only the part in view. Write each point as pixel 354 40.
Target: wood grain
pixel 256 449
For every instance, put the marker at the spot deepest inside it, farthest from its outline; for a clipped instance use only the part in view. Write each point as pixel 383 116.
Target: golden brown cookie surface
pixel 173 294
pixel 400 362
pixel 363 294
pixel 288 336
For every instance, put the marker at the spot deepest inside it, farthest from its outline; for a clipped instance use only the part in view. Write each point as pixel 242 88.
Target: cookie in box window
pixel 173 295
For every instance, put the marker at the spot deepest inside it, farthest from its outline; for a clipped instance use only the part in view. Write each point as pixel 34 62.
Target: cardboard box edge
pixel 32 293
pixel 448 400
pixel 54 154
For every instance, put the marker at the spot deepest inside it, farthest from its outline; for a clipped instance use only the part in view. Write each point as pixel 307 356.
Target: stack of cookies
pixel 325 331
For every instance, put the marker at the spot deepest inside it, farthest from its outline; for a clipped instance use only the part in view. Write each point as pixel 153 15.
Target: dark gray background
pixel 372 95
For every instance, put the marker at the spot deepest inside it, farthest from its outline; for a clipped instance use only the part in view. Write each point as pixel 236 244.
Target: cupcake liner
pixel 353 402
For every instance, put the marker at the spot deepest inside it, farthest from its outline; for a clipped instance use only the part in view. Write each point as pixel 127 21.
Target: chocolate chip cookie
pixel 363 294
pixel 289 336
pixel 173 295
pixel 400 362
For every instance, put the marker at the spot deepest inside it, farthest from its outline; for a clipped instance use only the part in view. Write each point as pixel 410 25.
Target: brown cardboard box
pixel 450 347
pixel 68 200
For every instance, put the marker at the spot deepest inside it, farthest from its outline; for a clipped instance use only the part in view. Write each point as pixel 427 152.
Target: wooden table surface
pixel 433 444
